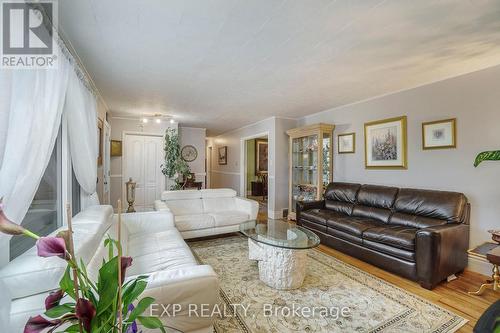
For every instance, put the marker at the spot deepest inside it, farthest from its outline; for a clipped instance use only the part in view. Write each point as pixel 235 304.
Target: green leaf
pixel 131 293
pixel 59 310
pixel 66 284
pixel 151 322
pixel 493 155
pixel 107 285
pixel 140 308
pixel 72 328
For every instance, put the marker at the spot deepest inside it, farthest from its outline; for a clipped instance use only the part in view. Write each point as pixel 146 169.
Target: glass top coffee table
pixel 281 251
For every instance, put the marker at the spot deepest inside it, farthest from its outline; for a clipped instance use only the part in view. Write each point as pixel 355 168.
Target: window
pixel 45 212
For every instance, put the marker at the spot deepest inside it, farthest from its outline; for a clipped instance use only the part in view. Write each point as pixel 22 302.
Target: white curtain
pixel 34 116
pixel 81 115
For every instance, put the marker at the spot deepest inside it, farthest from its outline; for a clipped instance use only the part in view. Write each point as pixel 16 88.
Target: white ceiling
pixel 222 64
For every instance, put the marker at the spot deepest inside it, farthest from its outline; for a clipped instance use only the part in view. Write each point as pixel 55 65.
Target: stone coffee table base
pixel 279 268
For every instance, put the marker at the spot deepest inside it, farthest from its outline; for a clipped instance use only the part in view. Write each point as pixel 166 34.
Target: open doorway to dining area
pixel 256 169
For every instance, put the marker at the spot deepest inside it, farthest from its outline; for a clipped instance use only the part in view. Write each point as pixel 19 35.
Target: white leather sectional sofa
pixel 199 213
pixel 157 249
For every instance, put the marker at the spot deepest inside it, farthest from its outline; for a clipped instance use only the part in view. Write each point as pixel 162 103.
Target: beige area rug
pixel 374 305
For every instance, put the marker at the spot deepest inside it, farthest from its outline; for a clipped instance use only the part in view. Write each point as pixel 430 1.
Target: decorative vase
pixel 130 195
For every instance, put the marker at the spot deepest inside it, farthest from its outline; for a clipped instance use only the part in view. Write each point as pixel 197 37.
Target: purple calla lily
pixel 125 263
pixel 85 311
pixel 38 324
pixel 53 299
pixel 133 327
pixel 51 247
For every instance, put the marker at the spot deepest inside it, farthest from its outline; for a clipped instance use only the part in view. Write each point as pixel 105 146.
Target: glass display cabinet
pixel 311 163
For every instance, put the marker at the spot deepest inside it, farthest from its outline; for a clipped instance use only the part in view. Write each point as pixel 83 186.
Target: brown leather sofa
pixel 419 234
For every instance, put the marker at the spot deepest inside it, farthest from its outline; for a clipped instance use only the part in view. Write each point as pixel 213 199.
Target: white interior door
pixel 106 162
pixel 142 158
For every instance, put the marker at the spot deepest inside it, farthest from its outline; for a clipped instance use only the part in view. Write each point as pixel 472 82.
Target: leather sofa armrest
pixel 306 205
pixel 251 207
pixel 440 252
pixel 192 292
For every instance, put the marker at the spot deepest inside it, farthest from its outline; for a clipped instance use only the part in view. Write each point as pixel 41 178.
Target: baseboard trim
pixel 275 215
pixel 479 266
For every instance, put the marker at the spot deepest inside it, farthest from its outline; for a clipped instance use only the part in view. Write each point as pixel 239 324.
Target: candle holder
pixel 130 195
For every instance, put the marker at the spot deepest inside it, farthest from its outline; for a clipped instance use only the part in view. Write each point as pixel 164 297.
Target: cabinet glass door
pixel 327 159
pixel 304 169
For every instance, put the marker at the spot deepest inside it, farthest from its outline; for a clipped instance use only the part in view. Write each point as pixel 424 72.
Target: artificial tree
pixel 493 155
pixel 174 166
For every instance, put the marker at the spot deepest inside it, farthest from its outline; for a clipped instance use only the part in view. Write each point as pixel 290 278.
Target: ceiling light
pixel 158 120
pixel 172 121
pixel 145 120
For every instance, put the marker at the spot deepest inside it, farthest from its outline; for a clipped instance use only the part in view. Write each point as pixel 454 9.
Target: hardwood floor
pixel 452 295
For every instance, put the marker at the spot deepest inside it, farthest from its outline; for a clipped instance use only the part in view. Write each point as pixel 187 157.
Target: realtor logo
pixel 28 34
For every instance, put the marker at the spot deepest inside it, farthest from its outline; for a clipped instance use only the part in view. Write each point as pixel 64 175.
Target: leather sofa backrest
pixel 340 197
pixel 425 208
pixel 375 202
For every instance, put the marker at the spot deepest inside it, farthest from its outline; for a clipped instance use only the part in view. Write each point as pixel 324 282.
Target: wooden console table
pixel 489 252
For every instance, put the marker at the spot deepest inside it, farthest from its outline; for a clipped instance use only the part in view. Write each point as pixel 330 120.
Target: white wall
pixel 118 126
pixel 195 137
pixel 230 175
pixel 474 99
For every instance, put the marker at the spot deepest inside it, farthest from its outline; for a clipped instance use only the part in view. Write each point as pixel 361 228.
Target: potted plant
pixel 174 167
pixel 106 305
pixel 493 155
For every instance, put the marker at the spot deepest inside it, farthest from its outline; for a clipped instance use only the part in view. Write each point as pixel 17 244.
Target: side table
pixel 490 252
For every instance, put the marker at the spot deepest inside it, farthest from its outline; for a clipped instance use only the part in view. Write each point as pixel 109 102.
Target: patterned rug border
pixel 451 326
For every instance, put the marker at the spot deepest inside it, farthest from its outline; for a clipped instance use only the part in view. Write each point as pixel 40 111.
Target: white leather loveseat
pixel 199 213
pixel 157 249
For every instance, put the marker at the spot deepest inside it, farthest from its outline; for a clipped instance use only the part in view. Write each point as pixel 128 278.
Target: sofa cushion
pixel 353 225
pixel 213 205
pixel 177 256
pixel 345 192
pixel 185 206
pixel 30 274
pixel 180 195
pixel 414 221
pixel 320 216
pixel 140 245
pixel 397 236
pixel 374 213
pixel 344 235
pixel 448 206
pixel 377 196
pixel 390 250
pixel 226 218
pixel 194 222
pixel 218 193
pixel 339 206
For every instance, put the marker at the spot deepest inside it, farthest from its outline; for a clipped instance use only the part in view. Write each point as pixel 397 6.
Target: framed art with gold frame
pixel 116 148
pixel 386 144
pixel 440 134
pixel 346 143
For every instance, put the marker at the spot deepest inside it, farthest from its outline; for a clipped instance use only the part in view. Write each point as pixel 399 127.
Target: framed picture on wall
pixel 116 148
pixel 386 144
pixel 222 155
pixel 261 153
pixel 439 134
pixel 346 143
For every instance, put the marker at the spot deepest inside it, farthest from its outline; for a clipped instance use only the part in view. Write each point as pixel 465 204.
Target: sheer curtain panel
pixel 81 115
pixel 34 116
